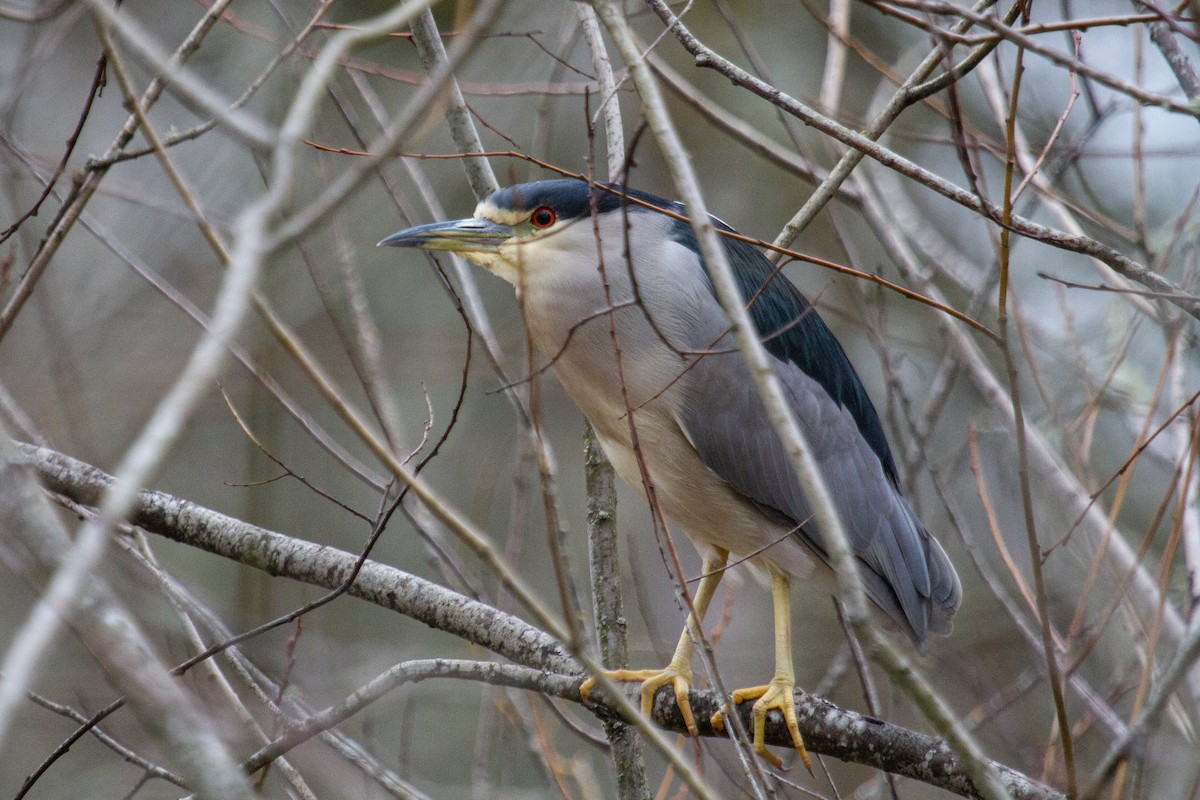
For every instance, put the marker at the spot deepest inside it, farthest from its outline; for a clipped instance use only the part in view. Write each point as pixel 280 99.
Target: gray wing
pixel 905 571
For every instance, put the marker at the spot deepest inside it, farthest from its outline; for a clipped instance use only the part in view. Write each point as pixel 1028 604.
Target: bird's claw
pixel 778 694
pixel 680 680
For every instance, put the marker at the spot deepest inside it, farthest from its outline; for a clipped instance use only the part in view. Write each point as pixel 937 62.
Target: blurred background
pixel 1106 368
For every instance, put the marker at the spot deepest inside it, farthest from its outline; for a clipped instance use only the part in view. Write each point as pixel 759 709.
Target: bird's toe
pixel 680 681
pixel 776 695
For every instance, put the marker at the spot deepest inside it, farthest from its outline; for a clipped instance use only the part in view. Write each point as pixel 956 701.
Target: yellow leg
pixel 678 673
pixel 779 693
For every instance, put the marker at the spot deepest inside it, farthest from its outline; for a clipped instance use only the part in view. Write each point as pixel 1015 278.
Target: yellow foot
pixel 778 694
pixel 652 680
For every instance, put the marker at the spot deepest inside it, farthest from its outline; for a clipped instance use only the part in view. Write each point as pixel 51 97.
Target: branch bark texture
pixel 827 728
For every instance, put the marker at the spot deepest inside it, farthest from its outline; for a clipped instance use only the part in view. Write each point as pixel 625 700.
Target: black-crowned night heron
pixel 622 307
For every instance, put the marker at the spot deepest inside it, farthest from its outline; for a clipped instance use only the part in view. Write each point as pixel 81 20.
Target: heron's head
pixel 525 227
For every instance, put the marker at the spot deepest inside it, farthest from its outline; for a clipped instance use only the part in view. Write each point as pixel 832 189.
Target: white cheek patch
pixel 487 210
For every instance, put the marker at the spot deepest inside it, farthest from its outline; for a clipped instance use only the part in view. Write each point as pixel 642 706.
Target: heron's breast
pixel 575 335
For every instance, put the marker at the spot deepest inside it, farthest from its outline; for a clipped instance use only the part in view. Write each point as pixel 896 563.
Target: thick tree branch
pixel 318 565
pixel 827 728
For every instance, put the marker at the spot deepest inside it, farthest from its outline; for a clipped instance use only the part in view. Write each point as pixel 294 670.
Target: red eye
pixel 543 217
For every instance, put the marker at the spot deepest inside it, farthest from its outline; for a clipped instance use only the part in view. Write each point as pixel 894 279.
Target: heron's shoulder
pixel 793 331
